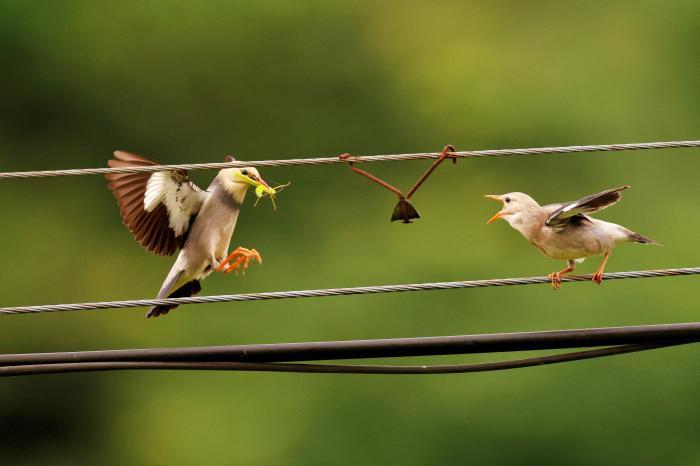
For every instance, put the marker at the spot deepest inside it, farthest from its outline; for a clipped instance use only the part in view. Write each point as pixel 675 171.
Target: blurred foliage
pixel 184 81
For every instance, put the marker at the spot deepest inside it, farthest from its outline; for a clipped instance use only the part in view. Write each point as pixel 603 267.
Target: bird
pixel 165 211
pixel 565 230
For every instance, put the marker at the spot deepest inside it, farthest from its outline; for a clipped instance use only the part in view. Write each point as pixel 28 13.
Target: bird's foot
pixel 239 259
pixel 555 279
pixel 597 278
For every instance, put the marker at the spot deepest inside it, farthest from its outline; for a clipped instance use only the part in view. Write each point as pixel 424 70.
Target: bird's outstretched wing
pixel 576 211
pixel 157 208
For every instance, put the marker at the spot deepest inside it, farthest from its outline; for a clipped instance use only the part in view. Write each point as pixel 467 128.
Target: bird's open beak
pixel 498 214
pixel 259 183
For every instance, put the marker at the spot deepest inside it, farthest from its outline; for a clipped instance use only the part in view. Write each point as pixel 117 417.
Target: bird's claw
pixel 555 279
pixel 597 278
pixel 239 259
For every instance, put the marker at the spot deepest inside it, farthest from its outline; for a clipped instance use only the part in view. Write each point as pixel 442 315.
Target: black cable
pixel 37 369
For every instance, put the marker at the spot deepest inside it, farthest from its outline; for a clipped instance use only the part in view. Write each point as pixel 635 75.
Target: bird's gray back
pixel 551 208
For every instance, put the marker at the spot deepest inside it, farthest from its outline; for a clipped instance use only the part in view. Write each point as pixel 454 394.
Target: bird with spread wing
pixel 566 231
pixel 165 211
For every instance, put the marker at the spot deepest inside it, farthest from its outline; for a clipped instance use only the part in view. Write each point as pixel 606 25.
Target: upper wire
pixel 355 159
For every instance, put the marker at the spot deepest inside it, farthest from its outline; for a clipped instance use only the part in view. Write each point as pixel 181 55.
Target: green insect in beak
pixel 267 191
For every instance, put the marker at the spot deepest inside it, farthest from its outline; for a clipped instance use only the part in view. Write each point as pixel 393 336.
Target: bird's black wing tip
pixel 185 291
pixel 158 311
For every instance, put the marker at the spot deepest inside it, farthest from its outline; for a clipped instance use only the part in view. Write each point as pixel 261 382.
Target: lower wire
pixel 60 368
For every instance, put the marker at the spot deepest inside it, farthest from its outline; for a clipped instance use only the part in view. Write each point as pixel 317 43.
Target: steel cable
pixel 356 159
pixel 339 291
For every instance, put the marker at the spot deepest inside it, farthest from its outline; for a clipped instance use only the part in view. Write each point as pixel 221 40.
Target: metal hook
pixel 404 211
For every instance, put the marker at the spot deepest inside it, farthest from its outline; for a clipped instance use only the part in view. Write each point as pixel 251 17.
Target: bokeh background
pixel 185 81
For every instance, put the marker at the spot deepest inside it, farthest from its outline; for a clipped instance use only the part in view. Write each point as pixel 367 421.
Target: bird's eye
pixel 507 199
pixel 244 172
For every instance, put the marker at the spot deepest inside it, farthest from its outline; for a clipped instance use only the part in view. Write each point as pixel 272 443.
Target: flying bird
pixel 566 231
pixel 165 211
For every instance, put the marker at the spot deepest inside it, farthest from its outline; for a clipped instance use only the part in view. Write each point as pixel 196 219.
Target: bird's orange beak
pixel 498 214
pixel 258 181
pixel 262 182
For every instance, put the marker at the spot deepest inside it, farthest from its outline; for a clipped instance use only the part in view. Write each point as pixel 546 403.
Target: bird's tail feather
pixel 637 238
pixel 185 291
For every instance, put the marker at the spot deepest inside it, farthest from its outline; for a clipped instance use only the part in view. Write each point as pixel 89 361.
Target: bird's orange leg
pixel 598 276
pixel 555 277
pixel 240 257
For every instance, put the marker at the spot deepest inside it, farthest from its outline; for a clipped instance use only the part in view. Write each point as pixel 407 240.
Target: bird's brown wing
pixel 576 211
pixel 157 208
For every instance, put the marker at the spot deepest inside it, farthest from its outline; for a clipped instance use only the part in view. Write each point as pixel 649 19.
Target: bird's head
pixel 239 180
pixel 249 176
pixel 514 204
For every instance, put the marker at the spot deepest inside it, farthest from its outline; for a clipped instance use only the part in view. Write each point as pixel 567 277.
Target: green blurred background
pixel 193 81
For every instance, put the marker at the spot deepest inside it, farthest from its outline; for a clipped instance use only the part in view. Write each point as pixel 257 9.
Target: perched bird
pixel 565 231
pixel 165 210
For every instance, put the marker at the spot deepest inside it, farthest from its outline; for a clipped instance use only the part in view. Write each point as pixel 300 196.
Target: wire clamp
pixel 404 210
